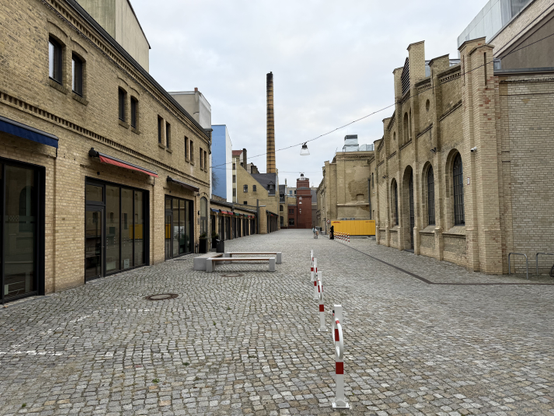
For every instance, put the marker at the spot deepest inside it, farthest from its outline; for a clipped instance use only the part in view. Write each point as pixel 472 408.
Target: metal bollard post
pixel 314 279
pixel 321 305
pixel 340 400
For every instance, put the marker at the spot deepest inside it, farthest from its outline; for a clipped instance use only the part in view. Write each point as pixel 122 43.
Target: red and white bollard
pixel 314 279
pixel 348 239
pixel 340 400
pixel 321 305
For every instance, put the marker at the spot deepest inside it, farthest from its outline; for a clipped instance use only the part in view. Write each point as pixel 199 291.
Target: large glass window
pixel 179 237
pixel 116 228
pixel 127 229
pixel 139 226
pixel 203 215
pixel 112 229
pixel 19 231
pixel 458 185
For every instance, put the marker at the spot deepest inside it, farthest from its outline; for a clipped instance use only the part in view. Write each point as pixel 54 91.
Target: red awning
pixel 118 162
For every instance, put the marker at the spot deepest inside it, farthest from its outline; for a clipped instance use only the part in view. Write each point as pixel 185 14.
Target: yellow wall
pixel 355 227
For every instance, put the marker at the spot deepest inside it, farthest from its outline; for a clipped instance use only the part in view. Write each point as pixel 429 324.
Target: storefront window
pixel 178 227
pixel 112 229
pixel 115 235
pixel 127 229
pixel 203 216
pixel 139 232
pixel 19 231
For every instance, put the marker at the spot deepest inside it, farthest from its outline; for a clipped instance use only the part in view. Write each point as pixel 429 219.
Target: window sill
pixel 161 146
pixel 458 230
pixel 123 124
pixel 79 98
pixel 56 85
pixel 135 130
pixel 167 149
pixel 430 229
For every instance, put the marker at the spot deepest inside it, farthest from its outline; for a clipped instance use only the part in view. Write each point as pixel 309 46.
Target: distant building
pixel 118 18
pixel 344 191
pixel 300 214
pixel 258 191
pixel 222 169
pixel 519 31
pixel 196 105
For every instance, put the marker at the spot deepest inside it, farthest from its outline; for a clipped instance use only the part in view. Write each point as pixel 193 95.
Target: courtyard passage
pixel 422 337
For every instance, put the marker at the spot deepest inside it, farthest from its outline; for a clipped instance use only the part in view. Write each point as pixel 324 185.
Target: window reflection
pixel 20 222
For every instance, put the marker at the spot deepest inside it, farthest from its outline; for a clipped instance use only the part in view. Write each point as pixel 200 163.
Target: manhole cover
pixel 232 275
pixel 162 296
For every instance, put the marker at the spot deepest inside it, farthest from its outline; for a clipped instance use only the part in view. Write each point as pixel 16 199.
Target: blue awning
pixel 27 132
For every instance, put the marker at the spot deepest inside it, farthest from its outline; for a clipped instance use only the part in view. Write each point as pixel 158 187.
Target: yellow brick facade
pixel 346 187
pixel 500 125
pixel 29 96
pixel 253 195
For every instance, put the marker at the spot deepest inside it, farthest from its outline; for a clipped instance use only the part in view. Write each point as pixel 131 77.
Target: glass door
pixel 93 242
pixel 168 225
pixel 19 209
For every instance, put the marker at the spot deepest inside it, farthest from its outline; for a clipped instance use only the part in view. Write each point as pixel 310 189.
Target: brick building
pixel 102 170
pixel 345 191
pixel 300 213
pixel 256 191
pixel 464 169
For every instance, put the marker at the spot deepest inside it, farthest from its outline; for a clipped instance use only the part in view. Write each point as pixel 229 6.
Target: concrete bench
pixel 278 256
pixel 200 261
pixel 212 261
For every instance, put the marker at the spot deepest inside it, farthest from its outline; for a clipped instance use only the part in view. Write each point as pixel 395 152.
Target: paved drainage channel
pixel 232 275
pixel 162 296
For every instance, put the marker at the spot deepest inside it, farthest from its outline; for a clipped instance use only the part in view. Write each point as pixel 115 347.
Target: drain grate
pixel 162 296
pixel 232 275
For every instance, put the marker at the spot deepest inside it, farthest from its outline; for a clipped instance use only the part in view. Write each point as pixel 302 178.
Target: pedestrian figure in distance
pixel 332 237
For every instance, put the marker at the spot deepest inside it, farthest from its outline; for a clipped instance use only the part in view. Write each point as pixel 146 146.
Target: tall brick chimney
pixel 270 158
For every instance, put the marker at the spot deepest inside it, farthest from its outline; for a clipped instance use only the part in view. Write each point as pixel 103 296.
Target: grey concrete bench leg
pixel 209 265
pixel 278 258
pixel 199 263
pixel 272 264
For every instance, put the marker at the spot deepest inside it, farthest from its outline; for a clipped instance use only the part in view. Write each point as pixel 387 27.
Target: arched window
pixel 394 205
pixel 430 196
pixel 458 184
pixel 406 129
pixel 410 125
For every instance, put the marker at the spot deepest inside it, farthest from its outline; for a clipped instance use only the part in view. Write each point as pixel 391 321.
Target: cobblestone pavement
pixel 244 341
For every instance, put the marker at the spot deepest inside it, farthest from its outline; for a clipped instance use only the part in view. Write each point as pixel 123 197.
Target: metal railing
pixel 526 261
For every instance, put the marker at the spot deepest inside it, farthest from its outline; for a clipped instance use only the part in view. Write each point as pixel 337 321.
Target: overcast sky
pixel 332 63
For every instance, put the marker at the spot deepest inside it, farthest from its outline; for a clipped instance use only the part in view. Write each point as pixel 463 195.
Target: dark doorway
pixel 22 225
